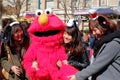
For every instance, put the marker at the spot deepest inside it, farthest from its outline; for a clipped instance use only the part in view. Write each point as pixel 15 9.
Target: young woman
pixel 106 65
pixel 16 39
pixel 74 46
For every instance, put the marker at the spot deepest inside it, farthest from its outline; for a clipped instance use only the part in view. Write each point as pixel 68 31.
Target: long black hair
pixel 8 32
pixel 76 47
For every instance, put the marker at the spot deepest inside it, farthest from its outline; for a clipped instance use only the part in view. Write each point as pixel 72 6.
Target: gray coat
pixel 106 65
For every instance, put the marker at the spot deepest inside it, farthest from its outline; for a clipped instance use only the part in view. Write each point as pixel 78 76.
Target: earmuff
pixel 72 23
pixel 103 22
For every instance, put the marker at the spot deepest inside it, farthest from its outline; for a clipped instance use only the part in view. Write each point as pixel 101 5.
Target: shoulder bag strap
pixel 8 52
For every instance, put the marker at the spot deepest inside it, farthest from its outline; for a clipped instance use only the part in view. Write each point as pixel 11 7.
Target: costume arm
pixel 28 59
pixel 62 54
pixel 102 60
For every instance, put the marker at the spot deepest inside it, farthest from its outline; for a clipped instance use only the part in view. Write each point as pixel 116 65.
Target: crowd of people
pixel 103 44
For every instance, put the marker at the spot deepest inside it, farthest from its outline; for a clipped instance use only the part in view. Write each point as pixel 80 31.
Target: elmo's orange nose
pixel 43 19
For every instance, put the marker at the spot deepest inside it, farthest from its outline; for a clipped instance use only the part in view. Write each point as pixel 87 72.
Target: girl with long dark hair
pixel 16 39
pixel 74 46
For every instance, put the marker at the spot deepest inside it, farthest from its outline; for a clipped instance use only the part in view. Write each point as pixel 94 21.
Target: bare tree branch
pixel 15 6
pixel 22 2
pixel 12 2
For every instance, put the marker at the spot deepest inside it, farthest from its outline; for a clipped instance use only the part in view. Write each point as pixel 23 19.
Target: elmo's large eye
pixel 38 12
pixel 48 11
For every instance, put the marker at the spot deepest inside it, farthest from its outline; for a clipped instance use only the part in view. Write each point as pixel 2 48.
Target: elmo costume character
pixel 46 33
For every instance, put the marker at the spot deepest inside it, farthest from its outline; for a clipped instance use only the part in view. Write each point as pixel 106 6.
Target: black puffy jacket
pixel 79 61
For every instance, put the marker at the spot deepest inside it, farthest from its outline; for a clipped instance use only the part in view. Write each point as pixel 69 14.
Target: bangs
pixel 94 24
pixel 70 30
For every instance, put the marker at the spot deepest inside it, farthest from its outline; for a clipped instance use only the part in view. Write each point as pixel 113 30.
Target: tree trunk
pixel 18 8
pixel 26 5
pixel 1 14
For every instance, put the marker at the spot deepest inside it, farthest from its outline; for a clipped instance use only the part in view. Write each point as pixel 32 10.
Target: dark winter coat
pixel 79 61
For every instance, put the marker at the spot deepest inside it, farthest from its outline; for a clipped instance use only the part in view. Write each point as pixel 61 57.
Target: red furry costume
pixel 46 32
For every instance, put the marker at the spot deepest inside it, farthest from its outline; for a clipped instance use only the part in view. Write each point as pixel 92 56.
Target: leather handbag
pixel 4 72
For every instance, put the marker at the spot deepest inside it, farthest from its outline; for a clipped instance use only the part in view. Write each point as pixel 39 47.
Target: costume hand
pixel 16 70
pixel 72 77
pixel 59 63
pixel 35 65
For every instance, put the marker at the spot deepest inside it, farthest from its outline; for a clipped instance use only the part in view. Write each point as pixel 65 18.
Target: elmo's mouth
pixel 47 33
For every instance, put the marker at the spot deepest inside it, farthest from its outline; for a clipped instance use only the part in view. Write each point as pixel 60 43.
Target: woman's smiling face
pixel 18 35
pixel 97 32
pixel 67 38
